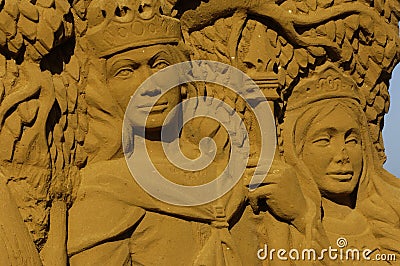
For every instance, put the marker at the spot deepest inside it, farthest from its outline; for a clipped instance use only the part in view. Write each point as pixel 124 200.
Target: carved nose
pixel 342 157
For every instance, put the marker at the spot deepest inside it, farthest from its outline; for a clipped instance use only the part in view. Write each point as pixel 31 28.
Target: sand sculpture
pixel 69 68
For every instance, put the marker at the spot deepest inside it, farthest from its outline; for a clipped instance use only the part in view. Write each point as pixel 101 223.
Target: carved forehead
pixel 338 119
pixel 144 54
pixel 341 110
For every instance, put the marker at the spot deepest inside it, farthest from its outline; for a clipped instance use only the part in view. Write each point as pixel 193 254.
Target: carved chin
pixel 338 184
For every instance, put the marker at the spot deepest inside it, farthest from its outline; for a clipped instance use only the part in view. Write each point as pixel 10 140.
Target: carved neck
pixel 339 206
pixel 153 140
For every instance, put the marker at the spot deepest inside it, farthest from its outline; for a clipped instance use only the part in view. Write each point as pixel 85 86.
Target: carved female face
pixel 333 152
pixel 128 70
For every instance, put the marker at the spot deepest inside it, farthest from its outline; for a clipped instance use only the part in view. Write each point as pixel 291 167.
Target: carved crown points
pixel 326 82
pixel 118 25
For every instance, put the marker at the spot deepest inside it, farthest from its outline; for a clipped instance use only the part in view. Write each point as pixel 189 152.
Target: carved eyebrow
pixel 163 54
pixel 120 63
pixel 329 130
pixel 353 131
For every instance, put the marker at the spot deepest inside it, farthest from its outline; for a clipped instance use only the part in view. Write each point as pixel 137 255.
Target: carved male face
pixel 128 70
pixel 333 153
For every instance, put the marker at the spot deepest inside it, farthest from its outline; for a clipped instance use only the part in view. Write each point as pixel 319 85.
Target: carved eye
pixel 352 140
pixel 322 141
pixel 160 64
pixel 124 72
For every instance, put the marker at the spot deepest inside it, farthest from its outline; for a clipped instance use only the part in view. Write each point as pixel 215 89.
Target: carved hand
pixel 280 194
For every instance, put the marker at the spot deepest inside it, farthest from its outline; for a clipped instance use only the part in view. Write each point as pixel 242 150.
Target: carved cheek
pixel 317 159
pixel 174 96
pixel 122 90
pixel 356 158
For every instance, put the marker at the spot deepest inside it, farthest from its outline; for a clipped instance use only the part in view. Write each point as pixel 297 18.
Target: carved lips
pixel 341 175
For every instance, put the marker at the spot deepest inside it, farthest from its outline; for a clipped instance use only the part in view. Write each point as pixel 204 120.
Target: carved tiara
pixel 328 82
pixel 117 25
